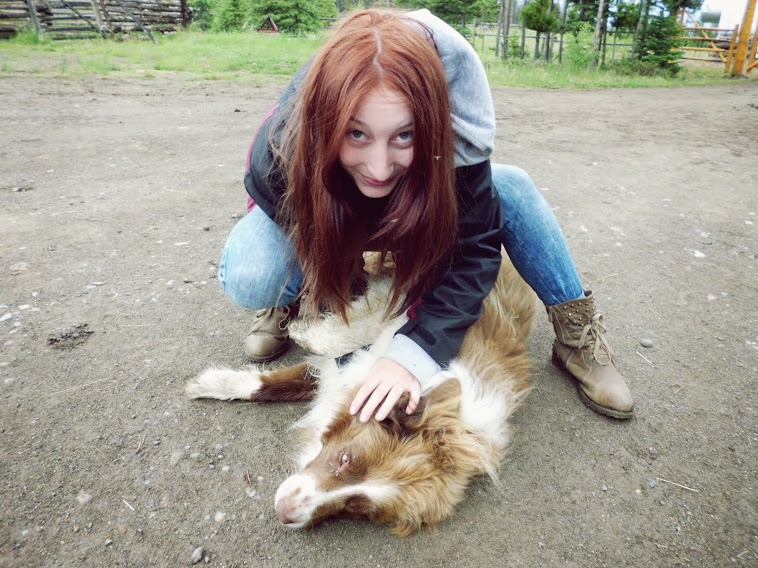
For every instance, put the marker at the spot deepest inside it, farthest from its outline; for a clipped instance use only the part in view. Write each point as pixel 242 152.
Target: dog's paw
pixel 224 384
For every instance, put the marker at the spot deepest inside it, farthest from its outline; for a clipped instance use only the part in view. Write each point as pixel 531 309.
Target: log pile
pixel 90 18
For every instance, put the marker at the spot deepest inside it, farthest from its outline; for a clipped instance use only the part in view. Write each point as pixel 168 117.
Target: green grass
pixel 256 58
pixel 236 56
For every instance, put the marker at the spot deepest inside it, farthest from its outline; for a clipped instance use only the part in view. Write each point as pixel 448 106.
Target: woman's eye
pixel 356 135
pixel 405 136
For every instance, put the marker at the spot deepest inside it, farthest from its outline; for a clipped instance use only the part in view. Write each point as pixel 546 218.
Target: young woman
pixel 382 142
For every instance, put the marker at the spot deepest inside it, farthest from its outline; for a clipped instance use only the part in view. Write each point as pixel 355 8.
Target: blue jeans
pixel 259 269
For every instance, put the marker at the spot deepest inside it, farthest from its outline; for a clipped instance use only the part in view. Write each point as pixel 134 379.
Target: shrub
pixel 202 14
pixel 660 46
pixel 294 16
pixel 578 50
pixel 231 17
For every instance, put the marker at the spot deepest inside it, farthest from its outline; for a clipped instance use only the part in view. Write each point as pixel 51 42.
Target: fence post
pixel 730 55
pixel 744 39
pixel 35 20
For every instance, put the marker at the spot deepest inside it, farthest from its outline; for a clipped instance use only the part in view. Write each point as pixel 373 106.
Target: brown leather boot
pixel 269 337
pixel 581 348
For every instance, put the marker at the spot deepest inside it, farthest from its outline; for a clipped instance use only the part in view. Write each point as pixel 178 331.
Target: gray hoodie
pixel 471 106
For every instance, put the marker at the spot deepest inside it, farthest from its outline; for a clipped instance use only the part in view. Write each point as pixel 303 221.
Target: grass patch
pixel 521 73
pixel 252 57
pixel 200 55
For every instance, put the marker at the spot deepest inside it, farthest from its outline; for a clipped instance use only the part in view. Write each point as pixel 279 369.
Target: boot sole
pixel 605 411
pixel 271 356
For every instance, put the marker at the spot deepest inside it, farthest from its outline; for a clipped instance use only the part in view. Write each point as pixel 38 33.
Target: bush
pixel 514 46
pixel 660 46
pixel 27 36
pixel 291 16
pixel 294 16
pixel 202 14
pixel 578 50
pixel 643 69
pixel 231 17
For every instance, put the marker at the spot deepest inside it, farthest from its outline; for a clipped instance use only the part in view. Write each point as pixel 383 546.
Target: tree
pixel 597 41
pixel 294 16
pixel 626 16
pixel 202 14
pixel 660 46
pixel 454 12
pixel 230 17
pixel 538 16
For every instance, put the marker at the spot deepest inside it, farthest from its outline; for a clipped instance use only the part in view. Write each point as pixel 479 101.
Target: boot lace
pixel 262 315
pixel 593 335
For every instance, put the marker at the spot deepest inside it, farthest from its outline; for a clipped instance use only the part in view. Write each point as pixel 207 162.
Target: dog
pixel 409 471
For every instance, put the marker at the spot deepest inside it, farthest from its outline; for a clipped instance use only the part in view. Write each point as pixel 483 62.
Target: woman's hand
pixel 386 381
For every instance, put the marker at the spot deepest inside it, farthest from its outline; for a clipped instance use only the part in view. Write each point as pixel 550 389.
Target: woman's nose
pixel 379 164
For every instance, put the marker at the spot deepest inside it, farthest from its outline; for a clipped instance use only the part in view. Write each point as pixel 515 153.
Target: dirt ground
pixel 115 201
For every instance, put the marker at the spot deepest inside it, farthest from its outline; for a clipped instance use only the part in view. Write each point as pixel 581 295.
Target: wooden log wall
pixel 92 18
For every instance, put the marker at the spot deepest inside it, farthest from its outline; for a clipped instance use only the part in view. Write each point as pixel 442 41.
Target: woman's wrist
pixel 410 355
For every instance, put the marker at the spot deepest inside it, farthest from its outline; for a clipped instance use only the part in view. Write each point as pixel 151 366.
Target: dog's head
pixel 408 470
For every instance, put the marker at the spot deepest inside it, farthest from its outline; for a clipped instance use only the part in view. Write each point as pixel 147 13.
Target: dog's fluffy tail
pixel 225 384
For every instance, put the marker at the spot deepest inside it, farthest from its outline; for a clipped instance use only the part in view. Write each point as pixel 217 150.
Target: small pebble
pixel 197 555
pixel 604 488
pixel 219 517
pixel 645 342
pixel 651 483
pixel 108 542
pixel 84 498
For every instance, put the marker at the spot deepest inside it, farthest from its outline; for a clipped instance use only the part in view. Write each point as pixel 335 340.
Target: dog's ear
pixel 399 418
pixel 445 399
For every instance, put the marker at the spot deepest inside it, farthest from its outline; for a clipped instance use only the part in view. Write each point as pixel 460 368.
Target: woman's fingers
pixel 415 397
pixel 389 402
pixel 385 384
pixel 363 393
pixel 376 398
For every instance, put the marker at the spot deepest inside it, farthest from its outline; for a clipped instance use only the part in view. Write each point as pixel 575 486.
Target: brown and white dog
pixel 409 470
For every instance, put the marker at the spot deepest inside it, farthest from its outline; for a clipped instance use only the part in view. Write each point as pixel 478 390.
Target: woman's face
pixel 378 146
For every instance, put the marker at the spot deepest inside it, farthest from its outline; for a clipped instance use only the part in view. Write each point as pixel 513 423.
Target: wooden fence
pixel 483 37
pixel 91 18
pixel 720 45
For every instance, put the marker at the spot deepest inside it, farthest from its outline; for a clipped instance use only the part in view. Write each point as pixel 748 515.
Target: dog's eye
pixel 345 458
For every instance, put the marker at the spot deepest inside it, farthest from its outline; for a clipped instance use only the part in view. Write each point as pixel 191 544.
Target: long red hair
pixel 370 49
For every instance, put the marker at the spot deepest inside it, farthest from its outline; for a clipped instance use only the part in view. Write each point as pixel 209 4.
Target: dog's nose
pixel 283 510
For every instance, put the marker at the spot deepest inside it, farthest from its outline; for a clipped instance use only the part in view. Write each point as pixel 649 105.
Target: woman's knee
pixel 256 268
pixel 514 185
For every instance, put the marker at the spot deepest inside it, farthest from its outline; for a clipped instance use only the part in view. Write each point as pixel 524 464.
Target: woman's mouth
pixel 377 183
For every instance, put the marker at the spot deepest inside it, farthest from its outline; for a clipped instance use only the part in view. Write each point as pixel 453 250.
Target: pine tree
pixel 538 16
